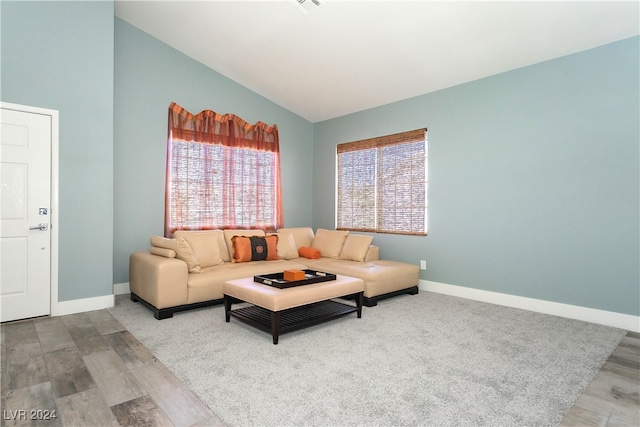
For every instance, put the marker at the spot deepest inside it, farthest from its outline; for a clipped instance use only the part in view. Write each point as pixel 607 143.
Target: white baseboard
pixel 121 288
pixel 91 304
pixel 602 317
pixel 84 304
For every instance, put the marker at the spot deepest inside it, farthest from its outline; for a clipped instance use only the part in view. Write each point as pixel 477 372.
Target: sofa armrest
pixel 160 281
pixel 373 254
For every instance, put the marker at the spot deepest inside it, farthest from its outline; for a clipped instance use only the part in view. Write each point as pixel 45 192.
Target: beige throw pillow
pixel 167 253
pixel 162 242
pixel 329 242
pixel 182 249
pixel 355 247
pixel 301 235
pixel 287 246
pixel 204 245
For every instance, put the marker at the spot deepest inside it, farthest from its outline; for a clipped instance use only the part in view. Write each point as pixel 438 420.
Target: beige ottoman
pixel 283 310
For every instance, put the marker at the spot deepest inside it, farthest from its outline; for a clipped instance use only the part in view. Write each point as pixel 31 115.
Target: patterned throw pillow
pixel 254 248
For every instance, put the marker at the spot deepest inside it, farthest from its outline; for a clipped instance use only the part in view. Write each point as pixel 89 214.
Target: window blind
pixel 382 184
pixel 213 186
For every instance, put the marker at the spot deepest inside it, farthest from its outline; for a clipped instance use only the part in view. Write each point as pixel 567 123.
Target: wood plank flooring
pixel 87 370
pixel 612 398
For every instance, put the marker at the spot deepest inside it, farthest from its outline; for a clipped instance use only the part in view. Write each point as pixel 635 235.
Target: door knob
pixel 43 226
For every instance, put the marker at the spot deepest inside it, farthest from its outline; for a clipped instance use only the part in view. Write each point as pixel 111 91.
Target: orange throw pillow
pixel 254 248
pixel 308 252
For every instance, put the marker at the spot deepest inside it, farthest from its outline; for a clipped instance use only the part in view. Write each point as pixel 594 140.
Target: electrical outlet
pixel 423 264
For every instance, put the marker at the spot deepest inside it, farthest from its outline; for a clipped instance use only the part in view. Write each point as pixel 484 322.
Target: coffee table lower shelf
pixel 292 319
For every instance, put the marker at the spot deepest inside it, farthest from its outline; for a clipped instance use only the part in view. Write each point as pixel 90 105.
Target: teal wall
pixel 149 75
pixel 534 173
pixel 59 55
pixel 533 179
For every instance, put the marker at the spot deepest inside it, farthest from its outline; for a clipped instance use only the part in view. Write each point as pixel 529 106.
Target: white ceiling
pixel 348 56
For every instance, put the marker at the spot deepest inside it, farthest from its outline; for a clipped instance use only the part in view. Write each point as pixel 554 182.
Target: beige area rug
pixel 426 359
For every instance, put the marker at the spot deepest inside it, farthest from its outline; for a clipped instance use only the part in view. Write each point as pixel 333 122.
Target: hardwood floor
pixel 86 370
pixel 612 398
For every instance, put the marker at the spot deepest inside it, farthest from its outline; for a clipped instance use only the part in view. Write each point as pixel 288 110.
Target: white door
pixel 25 212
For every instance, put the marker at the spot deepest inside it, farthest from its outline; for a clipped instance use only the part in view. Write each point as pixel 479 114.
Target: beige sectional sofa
pixel 189 270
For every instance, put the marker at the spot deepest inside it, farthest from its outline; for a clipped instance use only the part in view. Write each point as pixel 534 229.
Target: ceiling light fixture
pixel 306 6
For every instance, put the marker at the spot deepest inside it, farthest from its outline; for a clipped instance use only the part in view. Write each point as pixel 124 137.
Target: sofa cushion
pixel 208 246
pixel 254 248
pixel 329 242
pixel 287 248
pixel 208 285
pixel 204 245
pixel 302 235
pixel 182 249
pixel 381 276
pixel 355 247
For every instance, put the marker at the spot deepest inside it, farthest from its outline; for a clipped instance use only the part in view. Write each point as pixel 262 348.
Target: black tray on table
pixel 277 279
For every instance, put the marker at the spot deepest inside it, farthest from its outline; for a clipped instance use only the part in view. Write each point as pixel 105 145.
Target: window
pixel 221 173
pixel 382 184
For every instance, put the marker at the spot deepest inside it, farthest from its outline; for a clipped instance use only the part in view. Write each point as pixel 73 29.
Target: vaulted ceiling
pixel 348 56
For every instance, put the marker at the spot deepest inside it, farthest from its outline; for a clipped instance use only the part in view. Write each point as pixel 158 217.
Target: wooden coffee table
pixel 284 310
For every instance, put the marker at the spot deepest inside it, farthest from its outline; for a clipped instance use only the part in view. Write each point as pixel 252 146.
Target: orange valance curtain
pixel 222 172
pixel 229 130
